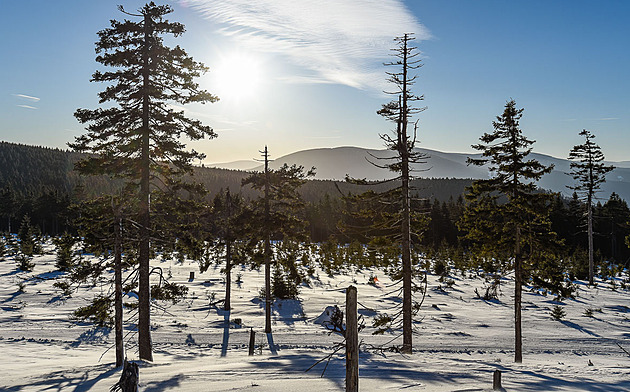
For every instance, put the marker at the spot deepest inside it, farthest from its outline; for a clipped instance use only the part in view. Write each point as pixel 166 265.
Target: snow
pixel 459 342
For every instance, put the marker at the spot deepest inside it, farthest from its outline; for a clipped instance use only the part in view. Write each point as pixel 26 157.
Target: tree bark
pixel 267 249
pixel 591 261
pixel 118 308
pixel 352 341
pixel 228 253
pixel 406 219
pixel 144 291
pixel 518 284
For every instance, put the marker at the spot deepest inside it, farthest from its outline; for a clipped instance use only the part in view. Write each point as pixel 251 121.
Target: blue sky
pixel 315 75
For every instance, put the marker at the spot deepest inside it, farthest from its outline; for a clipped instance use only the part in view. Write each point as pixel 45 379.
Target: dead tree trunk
pixel 352 341
pixel 128 379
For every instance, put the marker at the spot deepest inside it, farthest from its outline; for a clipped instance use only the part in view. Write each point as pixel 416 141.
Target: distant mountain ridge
pixel 334 163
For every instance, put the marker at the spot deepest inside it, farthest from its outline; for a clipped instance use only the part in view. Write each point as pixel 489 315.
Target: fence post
pixel 252 336
pixel 352 341
pixel 496 380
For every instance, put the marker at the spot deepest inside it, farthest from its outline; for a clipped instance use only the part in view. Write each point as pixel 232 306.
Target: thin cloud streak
pixel 27 107
pixel 336 41
pixel 27 97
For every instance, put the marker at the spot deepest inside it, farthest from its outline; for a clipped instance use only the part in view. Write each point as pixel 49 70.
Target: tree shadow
pixel 156 386
pixel 272 345
pixel 61 380
pixel 618 308
pixel 288 310
pixel 92 335
pixel 579 328
pixel 547 382
pixel 226 333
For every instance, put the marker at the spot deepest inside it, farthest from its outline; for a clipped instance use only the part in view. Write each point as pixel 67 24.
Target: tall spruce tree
pixel 226 233
pixel 513 227
pixel 275 215
pixel 137 135
pixel 589 170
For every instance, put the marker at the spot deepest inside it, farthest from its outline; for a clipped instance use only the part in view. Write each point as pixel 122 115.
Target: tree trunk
pixel 406 261
pixel 352 341
pixel 118 308
pixel 406 219
pixel 267 249
pixel 144 292
pixel 228 254
pixel 591 262
pixel 518 284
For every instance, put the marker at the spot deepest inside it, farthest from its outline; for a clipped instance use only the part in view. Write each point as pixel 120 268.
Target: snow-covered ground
pixel 460 340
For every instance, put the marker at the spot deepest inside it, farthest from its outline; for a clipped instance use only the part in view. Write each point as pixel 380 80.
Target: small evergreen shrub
pixel 64 251
pixel 282 287
pixel 25 263
pixel 557 313
pixel 26 236
pixel 64 286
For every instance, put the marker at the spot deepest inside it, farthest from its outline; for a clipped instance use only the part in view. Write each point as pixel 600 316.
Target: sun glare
pixel 238 77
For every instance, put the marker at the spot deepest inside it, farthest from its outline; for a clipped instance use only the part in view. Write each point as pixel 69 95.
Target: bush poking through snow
pixel 557 313
pixel 25 263
pixel 588 312
pixel 65 287
pixel 492 289
pixel 65 254
pixel 282 286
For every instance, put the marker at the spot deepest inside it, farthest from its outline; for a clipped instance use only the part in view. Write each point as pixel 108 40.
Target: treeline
pixel 39 183
pixel 31 170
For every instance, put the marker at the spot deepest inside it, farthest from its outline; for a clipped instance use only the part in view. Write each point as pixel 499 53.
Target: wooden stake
pixel 496 380
pixel 252 341
pixel 352 341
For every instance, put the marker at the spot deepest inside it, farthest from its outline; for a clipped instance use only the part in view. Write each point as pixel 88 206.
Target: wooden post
pixel 496 380
pixel 252 341
pixel 192 276
pixel 352 341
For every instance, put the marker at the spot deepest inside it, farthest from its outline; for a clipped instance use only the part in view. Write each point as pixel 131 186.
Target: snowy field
pixel 460 340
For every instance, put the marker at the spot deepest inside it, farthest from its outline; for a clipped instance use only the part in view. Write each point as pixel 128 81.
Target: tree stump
pixel 128 379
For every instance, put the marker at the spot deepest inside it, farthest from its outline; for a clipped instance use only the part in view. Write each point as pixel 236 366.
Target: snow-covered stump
pixel 352 341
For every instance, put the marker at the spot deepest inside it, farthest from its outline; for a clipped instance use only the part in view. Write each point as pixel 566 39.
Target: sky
pixel 297 75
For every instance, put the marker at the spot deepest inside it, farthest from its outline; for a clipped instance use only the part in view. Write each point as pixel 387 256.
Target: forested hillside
pixel 39 182
pixel 30 169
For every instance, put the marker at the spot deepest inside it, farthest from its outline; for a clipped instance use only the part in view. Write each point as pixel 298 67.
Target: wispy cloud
pixel 27 107
pixel 608 119
pixel 27 97
pixel 335 41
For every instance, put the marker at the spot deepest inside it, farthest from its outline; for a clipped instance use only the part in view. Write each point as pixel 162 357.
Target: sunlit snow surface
pixel 458 343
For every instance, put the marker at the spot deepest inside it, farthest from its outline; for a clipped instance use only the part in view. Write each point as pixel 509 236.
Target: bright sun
pixel 237 77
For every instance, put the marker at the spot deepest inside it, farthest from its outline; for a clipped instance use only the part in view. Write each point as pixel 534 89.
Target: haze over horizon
pixel 297 77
